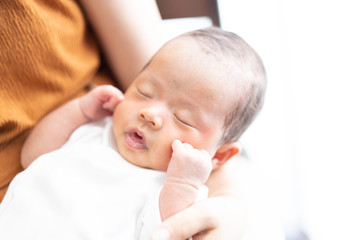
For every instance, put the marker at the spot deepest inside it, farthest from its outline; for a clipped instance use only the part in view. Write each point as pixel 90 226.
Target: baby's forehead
pixel 192 68
pixel 217 97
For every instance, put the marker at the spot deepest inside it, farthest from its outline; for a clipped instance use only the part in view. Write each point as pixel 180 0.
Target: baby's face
pixel 178 96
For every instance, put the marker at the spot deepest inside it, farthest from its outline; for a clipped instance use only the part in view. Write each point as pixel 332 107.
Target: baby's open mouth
pixel 135 139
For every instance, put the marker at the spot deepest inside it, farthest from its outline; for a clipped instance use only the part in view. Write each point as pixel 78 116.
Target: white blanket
pixel 82 191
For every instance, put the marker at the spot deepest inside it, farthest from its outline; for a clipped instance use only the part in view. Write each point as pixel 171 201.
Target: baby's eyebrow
pixel 190 106
pixel 152 80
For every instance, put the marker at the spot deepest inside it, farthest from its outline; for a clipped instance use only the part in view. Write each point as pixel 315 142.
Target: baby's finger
pixel 106 91
pixel 188 146
pixel 205 153
pixel 112 103
pixel 176 145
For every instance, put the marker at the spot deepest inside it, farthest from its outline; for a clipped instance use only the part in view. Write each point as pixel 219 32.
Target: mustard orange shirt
pixel 47 56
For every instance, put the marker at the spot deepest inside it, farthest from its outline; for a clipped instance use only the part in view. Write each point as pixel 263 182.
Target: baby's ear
pixel 224 153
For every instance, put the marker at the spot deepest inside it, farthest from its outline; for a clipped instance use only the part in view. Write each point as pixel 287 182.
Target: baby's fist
pixel 189 165
pixel 100 102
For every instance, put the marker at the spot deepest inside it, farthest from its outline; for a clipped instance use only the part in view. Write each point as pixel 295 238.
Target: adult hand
pixel 220 217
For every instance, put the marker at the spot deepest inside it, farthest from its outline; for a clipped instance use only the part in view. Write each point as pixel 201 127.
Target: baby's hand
pixel 100 102
pixel 188 165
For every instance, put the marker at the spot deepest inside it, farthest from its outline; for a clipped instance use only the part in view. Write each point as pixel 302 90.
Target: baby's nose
pixel 152 116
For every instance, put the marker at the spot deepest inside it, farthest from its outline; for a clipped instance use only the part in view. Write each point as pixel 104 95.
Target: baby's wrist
pixel 82 110
pixel 185 182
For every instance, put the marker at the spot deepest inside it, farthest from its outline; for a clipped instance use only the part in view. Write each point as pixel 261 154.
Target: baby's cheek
pixel 163 156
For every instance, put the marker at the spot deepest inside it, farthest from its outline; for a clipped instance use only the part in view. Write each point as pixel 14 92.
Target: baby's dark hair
pixel 251 81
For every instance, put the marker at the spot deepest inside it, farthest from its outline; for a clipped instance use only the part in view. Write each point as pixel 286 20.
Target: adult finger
pixel 186 223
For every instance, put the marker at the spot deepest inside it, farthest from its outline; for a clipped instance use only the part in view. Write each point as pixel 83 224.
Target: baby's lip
pixel 135 139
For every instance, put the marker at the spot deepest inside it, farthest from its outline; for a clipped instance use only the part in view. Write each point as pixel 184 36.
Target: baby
pixel 183 114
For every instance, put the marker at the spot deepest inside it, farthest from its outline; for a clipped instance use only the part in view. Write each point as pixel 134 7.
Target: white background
pixel 304 144
pixel 306 141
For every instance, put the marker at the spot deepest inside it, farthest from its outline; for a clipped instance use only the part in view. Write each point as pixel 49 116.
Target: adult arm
pixel 128 32
pixel 54 129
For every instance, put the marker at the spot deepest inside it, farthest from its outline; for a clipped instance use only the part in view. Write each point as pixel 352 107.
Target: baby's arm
pixel 52 131
pixel 188 170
